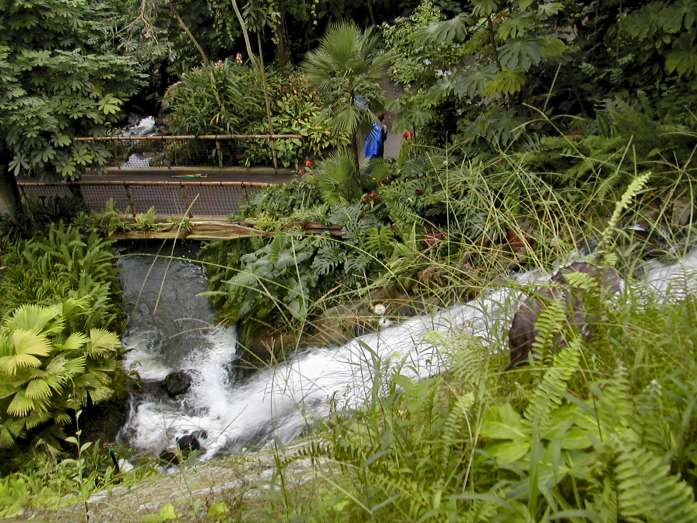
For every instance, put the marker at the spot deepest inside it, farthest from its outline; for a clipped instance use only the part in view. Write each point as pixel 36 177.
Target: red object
pixel 309 163
pixel 408 135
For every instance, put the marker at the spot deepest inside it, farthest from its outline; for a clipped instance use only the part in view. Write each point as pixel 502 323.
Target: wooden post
pixel 219 152
pixel 130 199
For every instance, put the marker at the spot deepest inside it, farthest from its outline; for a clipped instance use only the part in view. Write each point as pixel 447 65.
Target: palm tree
pixel 346 69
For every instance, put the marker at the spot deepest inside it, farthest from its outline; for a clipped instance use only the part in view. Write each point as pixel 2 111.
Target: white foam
pixel 279 402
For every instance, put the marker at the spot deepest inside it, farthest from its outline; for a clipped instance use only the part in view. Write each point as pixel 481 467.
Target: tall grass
pixel 598 431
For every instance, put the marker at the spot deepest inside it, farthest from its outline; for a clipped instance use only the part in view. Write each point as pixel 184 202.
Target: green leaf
pixel 503 422
pixel 484 7
pixel 38 390
pixel 110 105
pixel 168 513
pixel 509 451
pixel 20 405
pixel 682 61
pixel 521 54
pixel 102 342
pixel 26 342
pixel 74 342
pixel 548 9
pixel 506 82
pixel 218 510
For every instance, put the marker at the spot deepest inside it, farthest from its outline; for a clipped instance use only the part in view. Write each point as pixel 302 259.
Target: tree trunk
pixel 262 74
pixel 10 179
pixel 356 157
pixel 191 36
pixel 282 53
pixel 243 26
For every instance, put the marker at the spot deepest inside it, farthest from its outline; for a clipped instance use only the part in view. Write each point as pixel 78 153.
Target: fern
pixel 458 425
pixel 615 406
pixel 329 256
pixel 647 491
pixel 633 189
pixel 548 325
pixel 549 393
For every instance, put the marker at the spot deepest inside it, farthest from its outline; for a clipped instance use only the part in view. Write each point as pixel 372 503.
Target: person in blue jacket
pixel 374 146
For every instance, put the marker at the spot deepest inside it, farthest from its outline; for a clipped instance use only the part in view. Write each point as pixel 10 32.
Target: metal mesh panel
pixel 97 196
pixel 217 199
pixel 44 191
pixel 165 199
pixel 221 200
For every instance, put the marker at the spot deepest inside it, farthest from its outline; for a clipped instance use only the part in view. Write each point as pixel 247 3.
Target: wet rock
pixel 177 383
pixel 191 442
pixel 522 333
pixel 169 457
pixel 103 421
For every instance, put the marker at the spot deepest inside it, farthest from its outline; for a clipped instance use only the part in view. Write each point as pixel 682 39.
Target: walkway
pixel 179 191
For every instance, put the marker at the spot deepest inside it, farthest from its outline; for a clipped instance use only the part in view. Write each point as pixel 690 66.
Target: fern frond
pixel 615 406
pixel 582 281
pixel 647 491
pixel 549 393
pixel 548 325
pixel 457 426
pixel 634 188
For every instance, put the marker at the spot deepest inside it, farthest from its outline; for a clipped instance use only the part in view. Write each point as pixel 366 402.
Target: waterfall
pixel 280 402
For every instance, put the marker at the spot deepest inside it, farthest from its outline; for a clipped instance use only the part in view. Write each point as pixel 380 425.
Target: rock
pixel 177 383
pixel 102 422
pixel 191 442
pixel 169 457
pixel 522 333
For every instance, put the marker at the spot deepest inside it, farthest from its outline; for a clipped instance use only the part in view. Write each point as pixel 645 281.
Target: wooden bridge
pixel 179 176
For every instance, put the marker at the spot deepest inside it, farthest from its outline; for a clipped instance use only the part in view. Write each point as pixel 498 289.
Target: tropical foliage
pixel 590 434
pixel 58 80
pixel 65 265
pixel 346 68
pixel 542 128
pixel 228 98
pixel 50 370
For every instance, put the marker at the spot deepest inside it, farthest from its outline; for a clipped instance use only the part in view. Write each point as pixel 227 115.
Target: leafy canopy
pixel 58 79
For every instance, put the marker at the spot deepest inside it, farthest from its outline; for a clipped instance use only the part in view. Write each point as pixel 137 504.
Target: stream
pixel 171 328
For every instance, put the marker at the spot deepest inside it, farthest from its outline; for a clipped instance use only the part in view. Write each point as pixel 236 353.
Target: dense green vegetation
pixel 539 131
pixel 601 431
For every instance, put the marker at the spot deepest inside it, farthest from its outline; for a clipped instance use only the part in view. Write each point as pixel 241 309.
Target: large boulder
pixel 522 333
pixel 177 383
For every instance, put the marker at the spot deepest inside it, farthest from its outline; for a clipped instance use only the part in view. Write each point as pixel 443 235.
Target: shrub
pixel 228 98
pixel 48 369
pixel 62 265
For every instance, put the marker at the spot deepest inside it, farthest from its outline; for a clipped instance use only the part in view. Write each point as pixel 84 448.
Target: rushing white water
pixel 280 402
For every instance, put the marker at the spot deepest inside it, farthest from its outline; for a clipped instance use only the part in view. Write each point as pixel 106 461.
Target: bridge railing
pixel 214 150
pixel 169 198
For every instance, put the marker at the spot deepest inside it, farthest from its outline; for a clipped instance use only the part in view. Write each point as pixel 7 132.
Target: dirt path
pixel 393 144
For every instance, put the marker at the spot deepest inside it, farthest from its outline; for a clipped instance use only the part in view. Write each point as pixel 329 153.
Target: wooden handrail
pixel 142 183
pixel 163 137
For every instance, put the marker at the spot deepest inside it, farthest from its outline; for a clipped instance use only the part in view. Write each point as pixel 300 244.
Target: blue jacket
pixel 375 142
